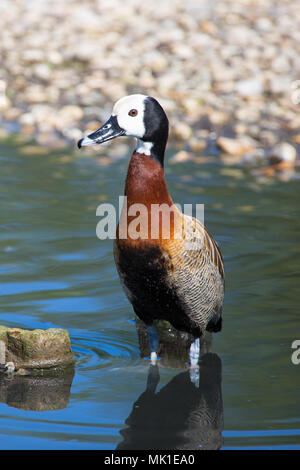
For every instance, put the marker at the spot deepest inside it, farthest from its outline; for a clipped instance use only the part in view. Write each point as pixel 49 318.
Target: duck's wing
pixel 198 243
pixel 197 273
pixel 212 248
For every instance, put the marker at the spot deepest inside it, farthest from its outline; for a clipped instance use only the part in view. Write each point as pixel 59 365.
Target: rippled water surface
pixel 56 273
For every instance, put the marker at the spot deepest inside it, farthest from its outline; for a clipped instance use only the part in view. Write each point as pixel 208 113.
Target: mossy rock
pixel 35 349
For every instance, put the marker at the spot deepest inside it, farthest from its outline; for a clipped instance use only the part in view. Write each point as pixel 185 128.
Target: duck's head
pixel 138 116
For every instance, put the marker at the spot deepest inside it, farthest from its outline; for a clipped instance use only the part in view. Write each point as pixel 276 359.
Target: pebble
pixel 250 87
pixel 182 131
pixel 234 146
pixel 181 157
pixel 282 152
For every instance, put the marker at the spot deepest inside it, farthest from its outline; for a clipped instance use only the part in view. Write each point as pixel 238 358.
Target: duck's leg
pixel 194 361
pixel 205 343
pixel 153 340
pixel 195 353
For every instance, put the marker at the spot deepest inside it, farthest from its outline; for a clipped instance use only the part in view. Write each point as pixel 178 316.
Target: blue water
pixel 54 272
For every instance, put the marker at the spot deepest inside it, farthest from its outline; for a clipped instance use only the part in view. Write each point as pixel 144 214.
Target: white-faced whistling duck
pixel 162 277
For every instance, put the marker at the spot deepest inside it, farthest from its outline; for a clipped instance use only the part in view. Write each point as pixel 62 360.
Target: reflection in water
pixel 37 393
pixel 181 415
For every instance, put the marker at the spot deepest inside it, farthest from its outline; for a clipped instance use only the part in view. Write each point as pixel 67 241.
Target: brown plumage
pixel 165 278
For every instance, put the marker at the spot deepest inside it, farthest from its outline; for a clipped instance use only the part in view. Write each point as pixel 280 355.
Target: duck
pixel 179 277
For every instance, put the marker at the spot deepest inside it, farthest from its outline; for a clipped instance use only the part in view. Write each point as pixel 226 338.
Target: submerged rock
pixel 35 349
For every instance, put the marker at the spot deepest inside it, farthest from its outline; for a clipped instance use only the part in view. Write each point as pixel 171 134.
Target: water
pixel 56 273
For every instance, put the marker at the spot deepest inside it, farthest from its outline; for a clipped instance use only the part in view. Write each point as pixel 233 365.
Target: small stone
pixel 282 152
pixel 3 133
pixel 296 138
pixel 27 119
pixel 279 84
pixel 33 55
pixel 197 145
pixel 28 130
pixel 234 146
pixel 250 87
pixel 4 101
pixel 281 64
pixel 42 71
pixel 181 157
pixel 254 157
pixel 12 114
pixel 191 107
pixel 268 138
pixel 218 117
pixel 68 115
pixel 240 128
pixel 50 139
pixel 182 131
pixel 208 27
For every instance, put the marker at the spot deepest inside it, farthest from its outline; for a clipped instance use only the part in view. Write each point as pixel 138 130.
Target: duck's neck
pixel 145 182
pixel 155 150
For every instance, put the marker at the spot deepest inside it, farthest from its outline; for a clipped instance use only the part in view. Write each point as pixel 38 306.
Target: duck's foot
pixel 153 340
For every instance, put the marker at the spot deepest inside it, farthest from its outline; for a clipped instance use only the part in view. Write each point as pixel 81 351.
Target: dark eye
pixel 133 112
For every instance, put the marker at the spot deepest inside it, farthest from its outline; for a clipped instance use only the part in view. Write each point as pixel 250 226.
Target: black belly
pixel 146 273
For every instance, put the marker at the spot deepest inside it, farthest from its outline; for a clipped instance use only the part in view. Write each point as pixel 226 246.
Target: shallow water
pixel 54 272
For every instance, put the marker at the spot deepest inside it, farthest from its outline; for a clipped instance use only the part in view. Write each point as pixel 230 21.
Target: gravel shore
pixel 227 72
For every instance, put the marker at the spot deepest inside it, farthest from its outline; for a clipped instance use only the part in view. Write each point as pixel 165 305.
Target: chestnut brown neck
pixel 145 182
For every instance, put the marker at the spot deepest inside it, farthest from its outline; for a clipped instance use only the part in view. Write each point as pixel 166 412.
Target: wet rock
pixel 235 146
pixel 282 152
pixel 36 349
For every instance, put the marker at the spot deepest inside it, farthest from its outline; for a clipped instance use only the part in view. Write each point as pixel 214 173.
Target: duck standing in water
pixel 179 278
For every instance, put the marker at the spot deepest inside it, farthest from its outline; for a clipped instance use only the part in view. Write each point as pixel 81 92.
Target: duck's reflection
pixel 37 393
pixel 181 415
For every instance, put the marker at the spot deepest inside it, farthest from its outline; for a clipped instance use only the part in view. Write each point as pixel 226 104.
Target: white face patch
pixel 132 125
